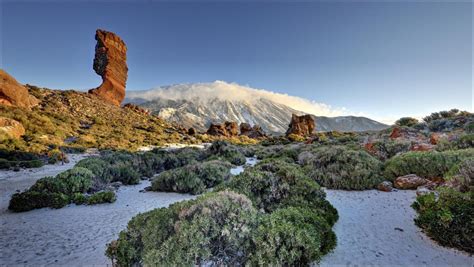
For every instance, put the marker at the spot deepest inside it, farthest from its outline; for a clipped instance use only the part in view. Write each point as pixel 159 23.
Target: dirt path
pixel 377 228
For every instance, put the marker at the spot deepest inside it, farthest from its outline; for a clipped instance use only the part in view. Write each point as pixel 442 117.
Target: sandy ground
pixel 77 235
pixel 367 233
pixel 10 181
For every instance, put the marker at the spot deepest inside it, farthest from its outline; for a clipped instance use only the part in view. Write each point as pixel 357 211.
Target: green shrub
pixel 406 121
pixel 448 219
pixel 124 174
pixel 225 151
pixel 461 175
pixel 385 149
pixel 274 184
pixel 193 178
pixel 340 167
pixel 431 164
pixel 291 237
pixel 79 198
pixel 75 180
pixel 30 200
pixel 214 228
pixel 101 197
pixel 55 192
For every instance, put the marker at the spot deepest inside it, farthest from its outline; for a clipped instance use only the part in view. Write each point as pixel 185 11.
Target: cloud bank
pixel 205 92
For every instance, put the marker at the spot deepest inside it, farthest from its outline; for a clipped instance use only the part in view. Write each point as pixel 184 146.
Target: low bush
pixel 291 237
pixel 461 176
pixel 213 229
pixel 225 151
pixel 340 167
pixel 30 200
pixel 448 219
pixel 385 149
pixel 75 180
pixel 430 164
pixel 101 197
pixel 194 178
pixel 274 184
pixel 406 121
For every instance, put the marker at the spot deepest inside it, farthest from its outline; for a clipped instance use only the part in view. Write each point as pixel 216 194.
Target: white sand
pixel 366 233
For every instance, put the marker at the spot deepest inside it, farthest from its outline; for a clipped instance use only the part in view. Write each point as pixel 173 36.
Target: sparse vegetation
pixel 340 167
pixel 430 164
pixel 193 178
pixel 449 218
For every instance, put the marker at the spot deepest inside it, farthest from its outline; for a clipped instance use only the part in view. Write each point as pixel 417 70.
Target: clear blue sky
pixel 383 59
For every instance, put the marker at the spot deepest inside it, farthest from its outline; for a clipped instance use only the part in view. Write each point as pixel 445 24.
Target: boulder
pixel 191 131
pixel 12 93
pixel 301 125
pixel 110 63
pixel 227 129
pixel 410 181
pixel 11 128
pixel 385 186
pixel 253 132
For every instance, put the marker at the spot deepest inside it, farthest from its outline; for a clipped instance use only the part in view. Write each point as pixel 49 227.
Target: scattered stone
pixel 301 125
pixel 137 109
pixel 421 147
pixel 11 128
pixel 399 229
pixel 385 186
pixel 110 63
pixel 12 93
pixel 410 181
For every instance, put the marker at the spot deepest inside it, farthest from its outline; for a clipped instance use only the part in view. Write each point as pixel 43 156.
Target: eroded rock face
pixel 12 93
pixel 11 128
pixel 253 132
pixel 228 129
pixel 410 181
pixel 136 108
pixel 110 63
pixel 301 125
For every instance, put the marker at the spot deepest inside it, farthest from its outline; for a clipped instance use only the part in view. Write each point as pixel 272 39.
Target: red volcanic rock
pixel 396 133
pixel 385 186
pixel 410 181
pixel 11 128
pixel 136 108
pixel 227 129
pixel 301 125
pixel 13 93
pixel 110 63
pixel 253 132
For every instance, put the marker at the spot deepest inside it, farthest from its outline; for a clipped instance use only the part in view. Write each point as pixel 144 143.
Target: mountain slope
pixel 197 105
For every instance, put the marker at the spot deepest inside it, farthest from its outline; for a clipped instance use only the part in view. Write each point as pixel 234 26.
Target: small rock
pixel 422 190
pixel 398 229
pixel 385 186
pixel 410 181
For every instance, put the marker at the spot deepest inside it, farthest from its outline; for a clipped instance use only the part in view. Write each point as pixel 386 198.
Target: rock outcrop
pixel 227 129
pixel 11 128
pixel 410 181
pixel 253 132
pixel 12 93
pixel 301 125
pixel 110 63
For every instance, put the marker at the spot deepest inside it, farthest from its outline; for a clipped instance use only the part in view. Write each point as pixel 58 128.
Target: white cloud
pixel 205 92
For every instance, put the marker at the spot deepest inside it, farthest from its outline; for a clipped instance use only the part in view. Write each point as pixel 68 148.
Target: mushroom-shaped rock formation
pixel 110 63
pixel 301 125
pixel 13 93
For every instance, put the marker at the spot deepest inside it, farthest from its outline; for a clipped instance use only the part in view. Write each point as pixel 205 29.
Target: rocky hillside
pixel 76 119
pixel 199 105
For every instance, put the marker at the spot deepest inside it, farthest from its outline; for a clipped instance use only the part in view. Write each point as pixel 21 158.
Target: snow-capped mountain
pixel 197 105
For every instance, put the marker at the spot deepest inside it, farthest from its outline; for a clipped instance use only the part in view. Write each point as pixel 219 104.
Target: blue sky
pixel 384 60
